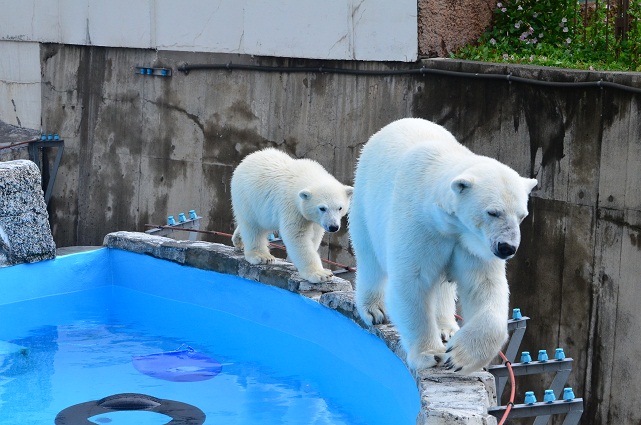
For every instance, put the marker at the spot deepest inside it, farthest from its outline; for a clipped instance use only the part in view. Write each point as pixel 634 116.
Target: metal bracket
pixel 48 176
pixel 573 409
pixel 517 327
pixel 191 223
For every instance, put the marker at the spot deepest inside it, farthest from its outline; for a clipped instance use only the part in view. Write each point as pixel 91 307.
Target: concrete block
pixel 25 235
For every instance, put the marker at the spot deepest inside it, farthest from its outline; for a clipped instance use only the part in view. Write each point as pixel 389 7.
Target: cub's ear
pixel 461 184
pixel 349 191
pixel 305 194
pixel 529 184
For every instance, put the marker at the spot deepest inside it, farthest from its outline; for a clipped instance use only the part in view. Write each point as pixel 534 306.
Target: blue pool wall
pixel 269 306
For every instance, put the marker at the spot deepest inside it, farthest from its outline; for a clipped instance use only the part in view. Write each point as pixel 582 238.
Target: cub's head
pixel 491 202
pixel 325 205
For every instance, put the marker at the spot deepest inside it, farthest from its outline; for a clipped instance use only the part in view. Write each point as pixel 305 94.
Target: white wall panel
pixel 329 29
pixel 20 97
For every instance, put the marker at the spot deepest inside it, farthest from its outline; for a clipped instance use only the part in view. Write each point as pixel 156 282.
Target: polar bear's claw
pixel 378 315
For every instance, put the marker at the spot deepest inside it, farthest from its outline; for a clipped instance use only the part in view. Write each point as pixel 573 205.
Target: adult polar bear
pixel 298 197
pixel 426 211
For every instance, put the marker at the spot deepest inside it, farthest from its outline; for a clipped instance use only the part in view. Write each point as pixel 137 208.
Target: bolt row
pixel 549 397
pixel 171 221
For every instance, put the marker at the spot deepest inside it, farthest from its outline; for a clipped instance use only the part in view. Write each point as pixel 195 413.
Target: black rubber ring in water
pixel 181 413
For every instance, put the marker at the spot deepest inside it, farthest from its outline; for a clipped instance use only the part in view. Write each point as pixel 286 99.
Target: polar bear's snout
pixel 331 224
pixel 505 250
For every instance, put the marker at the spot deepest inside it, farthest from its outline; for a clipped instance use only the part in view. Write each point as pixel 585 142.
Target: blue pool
pixel 80 329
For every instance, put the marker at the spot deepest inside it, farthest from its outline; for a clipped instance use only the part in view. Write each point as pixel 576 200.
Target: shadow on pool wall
pixel 445 397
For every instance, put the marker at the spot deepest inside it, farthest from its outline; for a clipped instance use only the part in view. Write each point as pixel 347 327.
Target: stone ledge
pixel 446 397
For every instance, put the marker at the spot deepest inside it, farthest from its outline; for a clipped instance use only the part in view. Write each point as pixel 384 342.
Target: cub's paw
pixel 256 258
pixel 317 276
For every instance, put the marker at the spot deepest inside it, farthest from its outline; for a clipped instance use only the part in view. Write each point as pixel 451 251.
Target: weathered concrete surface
pixel 25 235
pixel 446 398
pixel 445 26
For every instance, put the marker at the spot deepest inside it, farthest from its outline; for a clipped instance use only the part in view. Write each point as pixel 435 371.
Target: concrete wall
pixel 331 29
pixel 140 148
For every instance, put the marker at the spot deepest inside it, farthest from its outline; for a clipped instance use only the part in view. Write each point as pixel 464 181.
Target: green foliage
pixel 560 33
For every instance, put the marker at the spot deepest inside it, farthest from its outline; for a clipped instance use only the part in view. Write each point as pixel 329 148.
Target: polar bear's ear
pixel 461 184
pixel 349 190
pixel 529 184
pixel 305 194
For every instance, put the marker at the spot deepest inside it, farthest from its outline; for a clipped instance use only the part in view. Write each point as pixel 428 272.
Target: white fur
pixel 427 211
pixel 271 191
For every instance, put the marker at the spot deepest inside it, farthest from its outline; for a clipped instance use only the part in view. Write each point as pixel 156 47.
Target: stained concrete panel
pixel 120 23
pixel 200 26
pixel 20 92
pixel 380 23
pixel 291 27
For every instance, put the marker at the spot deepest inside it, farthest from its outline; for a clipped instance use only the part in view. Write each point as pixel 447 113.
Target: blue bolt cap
pixel 568 394
pixel 171 220
pixel 516 314
pixel 525 357
pixel 543 356
pixel 150 71
pixel 549 396
pixel 559 354
pixel 49 136
pixel 142 71
pixel 181 218
pixel 192 214
pixel 529 397
pixel 56 136
pixel 43 137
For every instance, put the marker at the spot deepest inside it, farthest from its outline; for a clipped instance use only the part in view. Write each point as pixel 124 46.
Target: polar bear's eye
pixel 340 208
pixel 494 214
pixel 322 209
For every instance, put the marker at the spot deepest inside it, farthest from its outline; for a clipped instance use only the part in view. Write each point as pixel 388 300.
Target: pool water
pixel 284 359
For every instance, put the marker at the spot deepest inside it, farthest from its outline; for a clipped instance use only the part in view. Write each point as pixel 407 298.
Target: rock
pixel 25 235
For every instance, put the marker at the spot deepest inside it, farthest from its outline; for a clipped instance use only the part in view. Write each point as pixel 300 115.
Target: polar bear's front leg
pixel 444 299
pixel 484 297
pixel 302 249
pixel 254 243
pixel 412 312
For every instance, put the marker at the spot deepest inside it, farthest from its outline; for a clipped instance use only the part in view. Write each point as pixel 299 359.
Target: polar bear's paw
pixel 256 258
pixel 426 359
pixel 374 314
pixel 237 240
pixel 448 330
pixel 317 276
pixel 470 351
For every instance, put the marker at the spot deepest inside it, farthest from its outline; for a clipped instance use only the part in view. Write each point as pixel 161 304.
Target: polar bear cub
pixel 270 191
pixel 428 214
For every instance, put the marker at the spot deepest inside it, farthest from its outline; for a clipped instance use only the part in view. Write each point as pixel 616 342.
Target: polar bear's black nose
pixel 506 250
pixel 333 229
